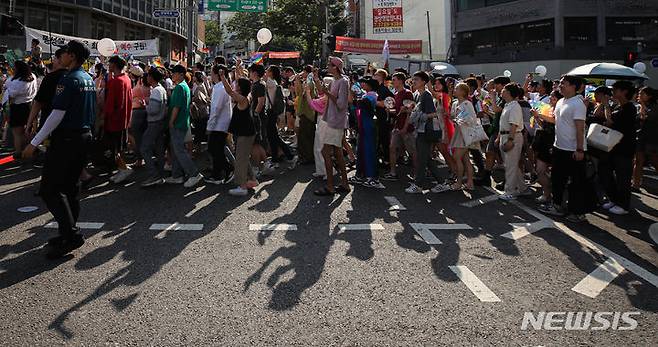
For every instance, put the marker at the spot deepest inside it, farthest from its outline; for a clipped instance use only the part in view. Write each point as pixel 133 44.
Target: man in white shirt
pixel 569 153
pixel 218 123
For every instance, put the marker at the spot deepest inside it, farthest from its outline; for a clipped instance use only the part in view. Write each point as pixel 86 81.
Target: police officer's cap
pixel 76 47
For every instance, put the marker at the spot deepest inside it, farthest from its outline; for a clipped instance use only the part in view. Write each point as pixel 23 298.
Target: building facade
pixel 563 32
pixel 96 19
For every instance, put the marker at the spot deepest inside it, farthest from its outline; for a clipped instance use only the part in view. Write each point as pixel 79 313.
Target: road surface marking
pixel 625 263
pixel 424 230
pixel 474 284
pixel 396 205
pixel 176 226
pixel 272 227
pixel 81 225
pixel 653 232
pixel 480 201
pixel 525 229
pixel 343 227
pixel 597 280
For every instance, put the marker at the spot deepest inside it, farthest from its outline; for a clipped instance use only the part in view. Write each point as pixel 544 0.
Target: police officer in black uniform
pixel 69 127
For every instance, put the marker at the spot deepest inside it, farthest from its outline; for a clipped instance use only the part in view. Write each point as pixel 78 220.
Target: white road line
pixel 424 230
pixel 396 205
pixel 176 226
pixel 595 282
pixel 652 177
pixel 273 227
pixel 625 263
pixel 480 201
pixel 343 227
pixel 81 225
pixel 525 229
pixel 474 284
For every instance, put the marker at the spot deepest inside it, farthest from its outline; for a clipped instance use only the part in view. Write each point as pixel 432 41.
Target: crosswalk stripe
pixel 525 229
pixel 597 280
pixel 177 226
pixel 424 230
pixel 473 283
pixel 480 201
pixel 81 225
pixel 396 205
pixel 273 227
pixel 343 227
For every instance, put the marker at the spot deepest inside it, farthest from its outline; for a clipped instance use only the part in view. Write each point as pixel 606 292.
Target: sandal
pixel 324 192
pixel 341 189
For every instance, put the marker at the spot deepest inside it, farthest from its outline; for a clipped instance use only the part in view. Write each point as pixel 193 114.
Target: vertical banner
pixel 387 16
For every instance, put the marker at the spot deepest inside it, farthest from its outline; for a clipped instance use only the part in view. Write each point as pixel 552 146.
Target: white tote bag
pixel 602 137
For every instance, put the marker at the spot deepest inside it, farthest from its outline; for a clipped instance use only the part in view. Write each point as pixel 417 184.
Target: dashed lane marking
pixel 272 227
pixel 525 229
pixel 480 201
pixel 425 230
pixel 176 226
pixel 81 225
pixel 473 283
pixel 597 280
pixel 396 205
pixel 344 227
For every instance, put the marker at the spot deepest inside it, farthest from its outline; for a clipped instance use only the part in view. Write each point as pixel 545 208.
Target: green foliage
pixel 295 25
pixel 213 34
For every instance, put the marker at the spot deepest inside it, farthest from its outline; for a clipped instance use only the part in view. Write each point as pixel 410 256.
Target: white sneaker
pixel 413 189
pixel 440 188
pixel 174 180
pixel 238 191
pixel 608 205
pixel 193 181
pixel 618 210
pixel 121 175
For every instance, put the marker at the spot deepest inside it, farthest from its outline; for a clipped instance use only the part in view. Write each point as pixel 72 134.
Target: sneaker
pixel 542 200
pixel 238 191
pixel 620 211
pixel 608 205
pixel 355 180
pixel 500 186
pixel 373 183
pixel 153 181
pixel 268 169
pixel 507 197
pixel 213 180
pixel 193 181
pixel 391 177
pixel 576 218
pixel 551 209
pixel 440 188
pixel 413 189
pixel 174 180
pixel 229 178
pixel 63 247
pixel 121 175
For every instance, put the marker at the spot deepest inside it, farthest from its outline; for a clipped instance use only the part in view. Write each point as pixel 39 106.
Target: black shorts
pixel 18 114
pixel 115 141
pixel 542 145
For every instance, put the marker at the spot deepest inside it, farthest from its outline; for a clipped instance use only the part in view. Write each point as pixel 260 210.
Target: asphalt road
pixel 353 270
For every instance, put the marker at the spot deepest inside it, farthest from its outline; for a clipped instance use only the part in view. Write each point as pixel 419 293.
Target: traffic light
pixel 630 58
pixel 330 41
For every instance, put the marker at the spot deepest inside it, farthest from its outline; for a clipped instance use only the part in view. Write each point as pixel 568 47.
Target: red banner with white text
pixel 354 45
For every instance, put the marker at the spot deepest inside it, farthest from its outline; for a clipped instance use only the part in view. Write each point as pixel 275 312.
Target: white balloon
pixel 541 70
pixel 106 47
pixel 640 67
pixel 507 73
pixel 264 36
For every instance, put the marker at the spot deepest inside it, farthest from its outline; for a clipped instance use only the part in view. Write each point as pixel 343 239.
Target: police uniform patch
pixel 59 90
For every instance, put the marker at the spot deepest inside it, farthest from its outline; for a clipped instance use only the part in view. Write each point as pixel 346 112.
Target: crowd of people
pixel 388 125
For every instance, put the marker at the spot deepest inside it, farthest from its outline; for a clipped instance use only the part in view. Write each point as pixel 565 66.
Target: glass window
pixel 538 33
pixel 469 4
pixel 627 31
pixel 37 18
pixel 68 24
pixel 580 30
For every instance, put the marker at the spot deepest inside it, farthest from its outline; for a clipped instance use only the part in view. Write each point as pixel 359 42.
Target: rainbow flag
pixel 257 58
pixel 157 62
pixel 542 107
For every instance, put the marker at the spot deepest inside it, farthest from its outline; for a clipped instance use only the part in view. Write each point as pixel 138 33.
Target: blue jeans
pixel 181 162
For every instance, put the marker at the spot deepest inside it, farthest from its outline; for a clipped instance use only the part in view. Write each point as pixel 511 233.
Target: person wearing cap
pixel 333 134
pixel 179 124
pixel 141 93
pixel 117 111
pixel 69 127
pixel 45 94
pixel 366 160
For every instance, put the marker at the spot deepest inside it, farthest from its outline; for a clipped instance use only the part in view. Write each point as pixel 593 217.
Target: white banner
pixel 136 48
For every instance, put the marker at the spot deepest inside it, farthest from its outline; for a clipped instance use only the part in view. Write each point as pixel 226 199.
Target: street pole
pixel 429 34
pixel 190 34
pixel 325 35
pixel 50 34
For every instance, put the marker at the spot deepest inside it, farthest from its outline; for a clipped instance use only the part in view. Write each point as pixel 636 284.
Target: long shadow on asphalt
pixel 146 251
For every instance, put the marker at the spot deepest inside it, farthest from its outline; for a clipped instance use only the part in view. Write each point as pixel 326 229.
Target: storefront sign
pixel 136 48
pixel 387 16
pixel 349 44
